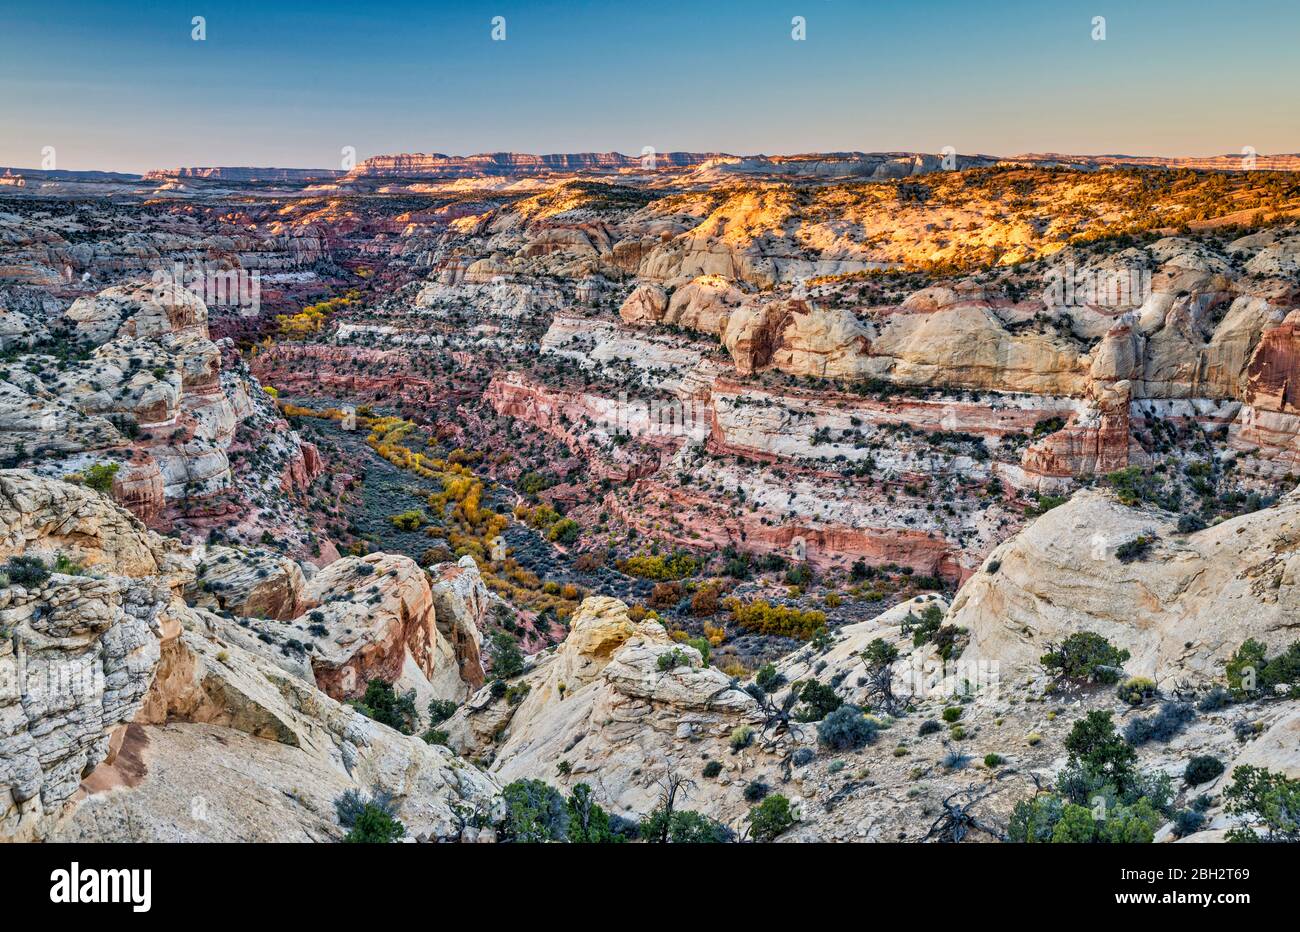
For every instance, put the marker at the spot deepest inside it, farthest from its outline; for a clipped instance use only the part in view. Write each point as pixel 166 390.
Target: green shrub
pixel 1134 549
pixel 847 729
pixel 1188 822
pixel 565 531
pixel 952 713
pixel 817 700
pixel 879 653
pixel 530 483
pixel 768 679
pixel 929 727
pixel 1131 824
pixel 741 737
pixel 534 812
pixel 369 821
pixel 507 659
pixel 1168 721
pixel 801 575
pixel 1263 800
pixel 407 521
pixel 100 476
pixel 28 572
pixel 1244 666
pixel 1034 820
pixel 923 628
pixel 1098 750
pixel 755 790
pixel 929 628
pixel 1202 769
pixel 712 769
pixel 67 566
pixel 771 818
pixel 702 645
pixel 672 659
pixel 1190 524
pixel 954 760
pixel 1086 656
pixel 1136 689
pixel 1214 700
pixel 589 824
pixel 1283 668
pixel 1132 485
pixel 440 710
pixel 384 705
pixel 993 760
pixel 1044 504
pixel 683 827
pixel 1074 827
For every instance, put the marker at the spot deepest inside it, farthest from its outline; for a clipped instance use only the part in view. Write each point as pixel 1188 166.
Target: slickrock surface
pixel 601 702
pixel 1181 611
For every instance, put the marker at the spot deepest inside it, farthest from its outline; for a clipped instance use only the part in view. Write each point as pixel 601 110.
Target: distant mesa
pixel 245 175
pixel 515 164
pixel 687 168
pixel 41 174
pixel 1282 162
pixel 709 167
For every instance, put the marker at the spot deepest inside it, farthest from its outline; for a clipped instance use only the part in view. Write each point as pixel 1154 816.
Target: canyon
pixel 581 468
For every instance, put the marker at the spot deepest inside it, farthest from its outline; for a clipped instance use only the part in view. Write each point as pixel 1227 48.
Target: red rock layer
pixel 1077 450
pixel 1273 376
pixel 563 415
pixel 701 523
pixel 138 487
pixel 345 372
pixel 382 658
pixel 302 468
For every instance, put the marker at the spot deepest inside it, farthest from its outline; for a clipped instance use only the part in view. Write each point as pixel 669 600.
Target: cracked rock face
pixel 77 653
pixel 75 664
pixel 121 708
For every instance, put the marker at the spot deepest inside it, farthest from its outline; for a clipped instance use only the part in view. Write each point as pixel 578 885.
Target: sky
pixel 125 87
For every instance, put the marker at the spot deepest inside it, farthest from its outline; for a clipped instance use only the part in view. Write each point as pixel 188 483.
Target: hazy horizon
pixel 718 152
pixel 130 90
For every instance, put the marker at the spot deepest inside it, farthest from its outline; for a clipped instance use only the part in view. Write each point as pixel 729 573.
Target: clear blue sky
pixel 122 86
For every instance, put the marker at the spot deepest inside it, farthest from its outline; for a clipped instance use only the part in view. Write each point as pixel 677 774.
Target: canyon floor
pixel 833 498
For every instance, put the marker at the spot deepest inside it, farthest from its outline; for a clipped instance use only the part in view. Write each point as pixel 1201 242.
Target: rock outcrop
pixel 608 703
pixel 378 615
pixel 1181 608
pixel 122 709
pixel 462 605
pixel 248 583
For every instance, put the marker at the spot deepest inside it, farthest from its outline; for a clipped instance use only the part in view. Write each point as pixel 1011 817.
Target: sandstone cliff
pixel 124 706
